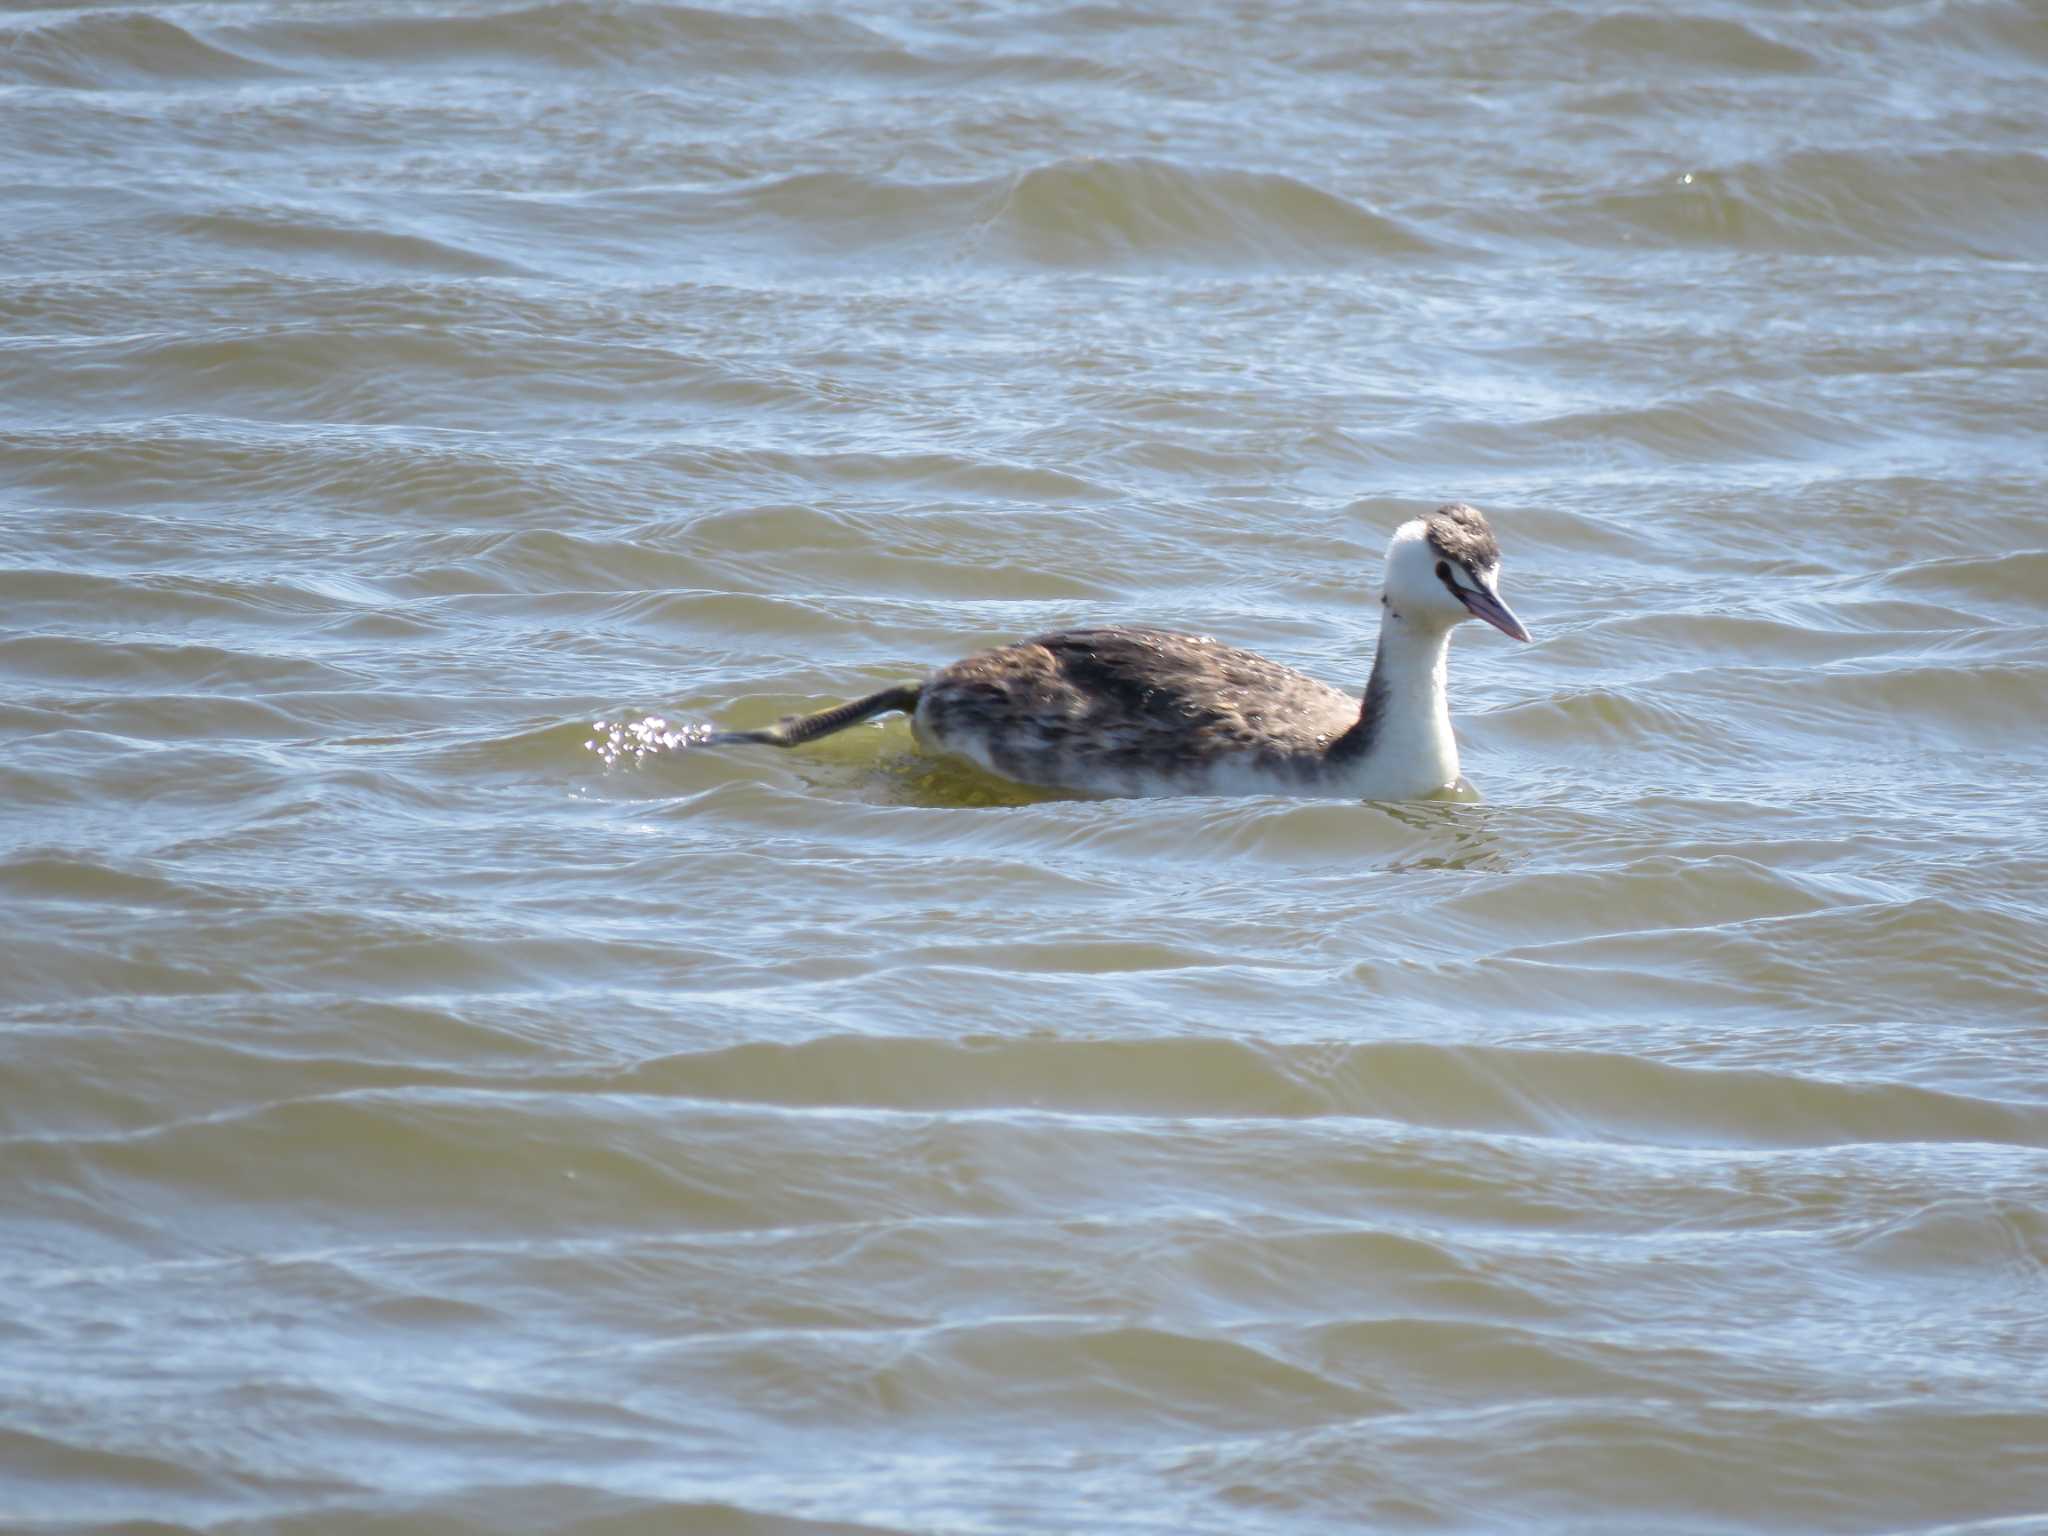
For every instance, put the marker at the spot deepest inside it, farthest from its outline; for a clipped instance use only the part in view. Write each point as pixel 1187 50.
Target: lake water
pixel 410 1122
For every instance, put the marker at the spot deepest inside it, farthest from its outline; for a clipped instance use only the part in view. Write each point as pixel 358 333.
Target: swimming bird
pixel 1134 711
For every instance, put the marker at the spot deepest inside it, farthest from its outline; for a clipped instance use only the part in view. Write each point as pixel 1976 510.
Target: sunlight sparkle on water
pixel 641 739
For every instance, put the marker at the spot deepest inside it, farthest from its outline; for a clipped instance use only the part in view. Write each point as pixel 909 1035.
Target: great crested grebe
pixel 1133 711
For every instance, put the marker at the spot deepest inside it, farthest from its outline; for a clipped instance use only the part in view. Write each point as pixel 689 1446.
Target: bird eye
pixel 1443 570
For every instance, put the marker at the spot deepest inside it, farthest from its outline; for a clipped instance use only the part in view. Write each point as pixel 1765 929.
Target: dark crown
pixel 1458 532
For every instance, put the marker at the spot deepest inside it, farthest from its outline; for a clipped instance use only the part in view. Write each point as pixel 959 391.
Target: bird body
pixel 1146 712
pixel 1139 712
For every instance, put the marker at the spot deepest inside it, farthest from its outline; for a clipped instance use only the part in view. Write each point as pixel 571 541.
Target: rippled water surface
pixel 410 1121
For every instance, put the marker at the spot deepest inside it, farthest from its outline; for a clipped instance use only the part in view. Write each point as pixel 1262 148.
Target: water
pixel 410 1121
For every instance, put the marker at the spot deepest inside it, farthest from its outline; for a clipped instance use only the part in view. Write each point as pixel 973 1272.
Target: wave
pixel 1092 212
pixel 1705 42
pixel 1925 957
pixel 1029 1369
pixel 515 1508
pixel 303 238
pixel 40 1464
pixel 1717 426
pixel 586 35
pixel 1733 724
pixel 1570 1094
pixel 1082 212
pixel 101 51
pixel 1985 583
pixel 1972 1240
pixel 2003 32
pixel 135 666
pixel 1965 202
pixel 571 34
pixel 1991 705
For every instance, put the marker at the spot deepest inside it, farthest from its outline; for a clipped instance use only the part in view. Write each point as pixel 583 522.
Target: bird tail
pixel 795 730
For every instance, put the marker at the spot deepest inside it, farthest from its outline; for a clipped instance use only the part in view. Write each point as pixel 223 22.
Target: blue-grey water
pixel 411 1121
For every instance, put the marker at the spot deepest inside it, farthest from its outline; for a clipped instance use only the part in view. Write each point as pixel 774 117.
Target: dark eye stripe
pixel 1443 574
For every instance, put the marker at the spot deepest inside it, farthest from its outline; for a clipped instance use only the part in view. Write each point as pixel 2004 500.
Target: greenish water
pixel 410 1122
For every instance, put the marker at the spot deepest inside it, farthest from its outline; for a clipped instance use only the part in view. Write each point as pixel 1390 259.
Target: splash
pixel 635 741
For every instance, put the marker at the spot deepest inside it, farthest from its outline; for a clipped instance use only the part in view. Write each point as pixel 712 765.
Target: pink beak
pixel 1488 606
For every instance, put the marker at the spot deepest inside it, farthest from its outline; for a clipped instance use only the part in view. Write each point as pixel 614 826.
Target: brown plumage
pixel 1123 706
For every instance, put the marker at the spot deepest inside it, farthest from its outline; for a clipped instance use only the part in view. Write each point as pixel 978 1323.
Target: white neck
pixel 1411 751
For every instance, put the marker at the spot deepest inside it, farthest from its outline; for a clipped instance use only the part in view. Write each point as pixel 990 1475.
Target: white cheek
pixel 1486 582
pixel 1448 604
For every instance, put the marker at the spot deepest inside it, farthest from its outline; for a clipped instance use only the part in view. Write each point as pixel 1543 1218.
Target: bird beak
pixel 1488 606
